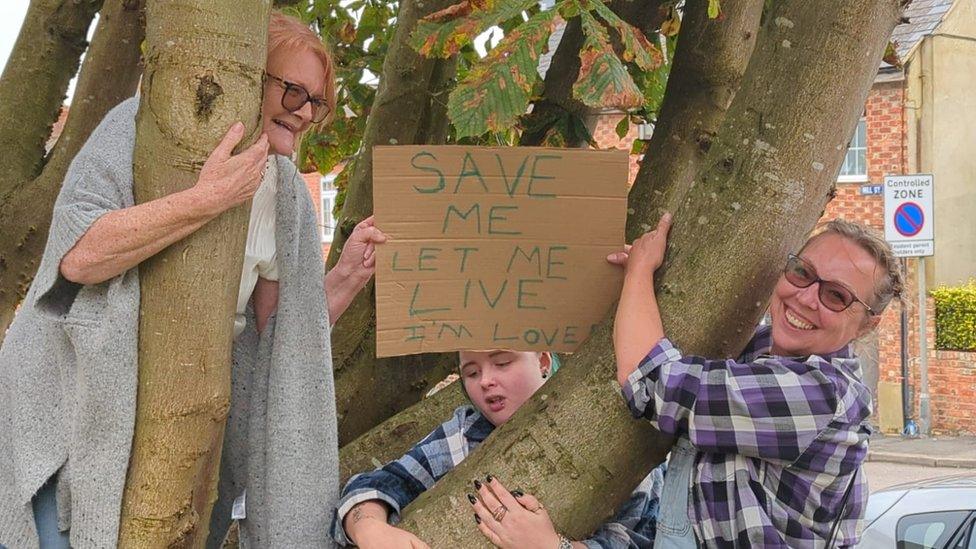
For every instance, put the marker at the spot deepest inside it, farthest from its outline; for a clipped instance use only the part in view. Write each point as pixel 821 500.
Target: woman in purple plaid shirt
pixel 771 443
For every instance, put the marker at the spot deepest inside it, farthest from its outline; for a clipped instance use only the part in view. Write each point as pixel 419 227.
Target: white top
pixel 260 255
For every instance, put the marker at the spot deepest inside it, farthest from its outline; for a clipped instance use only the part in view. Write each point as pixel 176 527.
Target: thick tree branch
pixel 109 74
pixel 708 65
pixel 43 61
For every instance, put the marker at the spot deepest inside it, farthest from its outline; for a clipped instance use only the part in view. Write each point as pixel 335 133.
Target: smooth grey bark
pixel 205 64
pixel 708 65
pixel 764 183
pixel 110 74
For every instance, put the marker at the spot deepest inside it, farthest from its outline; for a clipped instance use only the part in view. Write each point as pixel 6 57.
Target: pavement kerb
pixel 921 459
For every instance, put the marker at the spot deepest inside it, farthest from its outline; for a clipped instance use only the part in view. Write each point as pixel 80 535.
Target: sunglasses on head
pixel 833 295
pixel 295 97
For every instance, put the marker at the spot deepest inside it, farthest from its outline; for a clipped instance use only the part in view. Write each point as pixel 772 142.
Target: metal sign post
pixel 909 220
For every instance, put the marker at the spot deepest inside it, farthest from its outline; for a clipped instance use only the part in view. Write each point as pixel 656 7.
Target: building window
pixel 855 166
pixel 328 204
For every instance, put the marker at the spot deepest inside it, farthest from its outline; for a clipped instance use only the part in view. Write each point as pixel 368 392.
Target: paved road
pixel 882 474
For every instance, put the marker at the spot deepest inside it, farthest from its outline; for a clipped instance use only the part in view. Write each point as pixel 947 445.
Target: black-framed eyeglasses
pixel 833 295
pixel 295 97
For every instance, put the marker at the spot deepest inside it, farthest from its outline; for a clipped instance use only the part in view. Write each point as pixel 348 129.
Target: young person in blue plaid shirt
pixel 777 436
pixel 497 383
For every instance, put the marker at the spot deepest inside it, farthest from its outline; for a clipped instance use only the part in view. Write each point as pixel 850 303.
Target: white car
pixel 938 513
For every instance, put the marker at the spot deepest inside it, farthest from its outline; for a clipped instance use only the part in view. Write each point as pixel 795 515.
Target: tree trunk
pixel 708 65
pixel 204 71
pixel 410 108
pixel 43 61
pixel 766 179
pixel 109 74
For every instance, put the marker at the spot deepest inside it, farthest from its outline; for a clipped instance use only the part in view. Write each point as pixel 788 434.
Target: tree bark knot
pixel 208 91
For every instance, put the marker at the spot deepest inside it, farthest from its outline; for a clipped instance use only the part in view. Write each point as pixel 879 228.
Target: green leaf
pixel 443 33
pixel 603 80
pixel 637 48
pixel 497 89
pixel 713 9
pixel 655 82
pixel 623 127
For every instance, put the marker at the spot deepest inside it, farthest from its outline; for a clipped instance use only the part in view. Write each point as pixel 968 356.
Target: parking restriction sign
pixel 909 214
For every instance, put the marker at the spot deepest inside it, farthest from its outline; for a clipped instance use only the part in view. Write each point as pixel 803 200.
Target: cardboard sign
pixel 495 248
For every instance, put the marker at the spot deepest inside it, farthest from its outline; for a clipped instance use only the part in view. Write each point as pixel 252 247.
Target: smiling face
pixel 499 382
pixel 801 324
pixel 301 67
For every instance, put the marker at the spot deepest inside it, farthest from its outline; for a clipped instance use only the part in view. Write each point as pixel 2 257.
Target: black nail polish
pixel 489 478
pixel 472 499
pixel 517 493
pixel 477 484
pixel 477 519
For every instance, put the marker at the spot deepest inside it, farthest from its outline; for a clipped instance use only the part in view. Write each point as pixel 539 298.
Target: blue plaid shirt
pixel 399 482
pixel 779 440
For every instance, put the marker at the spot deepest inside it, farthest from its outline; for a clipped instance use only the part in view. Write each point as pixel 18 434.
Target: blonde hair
pixel 288 33
pixel 892 284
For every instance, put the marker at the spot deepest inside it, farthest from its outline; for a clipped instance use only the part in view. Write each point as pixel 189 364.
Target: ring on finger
pixel 499 514
pixel 537 509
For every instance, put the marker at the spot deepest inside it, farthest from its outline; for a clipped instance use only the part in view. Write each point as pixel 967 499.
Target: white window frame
pixel 852 146
pixel 326 204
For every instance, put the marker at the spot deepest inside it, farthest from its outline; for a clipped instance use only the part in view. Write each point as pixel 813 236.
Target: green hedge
pixel 955 317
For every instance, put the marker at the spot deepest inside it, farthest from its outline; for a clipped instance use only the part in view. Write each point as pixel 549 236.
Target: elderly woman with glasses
pixel 770 443
pixel 68 365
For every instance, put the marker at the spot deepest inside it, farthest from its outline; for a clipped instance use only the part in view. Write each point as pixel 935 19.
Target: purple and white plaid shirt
pixel 778 440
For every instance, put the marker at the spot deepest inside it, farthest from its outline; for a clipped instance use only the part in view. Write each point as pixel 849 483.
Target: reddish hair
pixel 288 33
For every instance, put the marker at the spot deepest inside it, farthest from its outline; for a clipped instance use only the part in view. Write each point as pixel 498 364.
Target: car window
pixel 966 537
pixel 971 535
pixel 928 530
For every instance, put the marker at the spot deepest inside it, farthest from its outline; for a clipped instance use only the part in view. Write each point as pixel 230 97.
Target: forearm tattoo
pixel 357 515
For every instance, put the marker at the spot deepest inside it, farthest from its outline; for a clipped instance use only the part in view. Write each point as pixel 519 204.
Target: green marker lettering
pixel 441 183
pixel 512 187
pixel 534 176
pixel 458 332
pixel 492 218
pixel 423 255
pixel 495 336
pixel 551 262
pixel 528 258
pixel 395 268
pixel 413 311
pixel 447 217
pixel 464 256
pixel 523 293
pixel 469 172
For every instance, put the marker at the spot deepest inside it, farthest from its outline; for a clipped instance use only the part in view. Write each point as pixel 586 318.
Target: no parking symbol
pixel 909 219
pixel 909 214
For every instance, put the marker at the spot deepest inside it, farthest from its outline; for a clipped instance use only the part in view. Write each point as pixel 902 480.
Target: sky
pixel 11 16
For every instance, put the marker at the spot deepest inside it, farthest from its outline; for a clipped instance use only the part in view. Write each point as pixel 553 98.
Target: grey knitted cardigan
pixel 68 378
